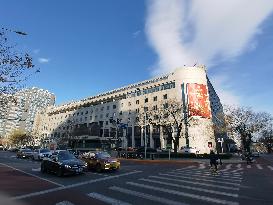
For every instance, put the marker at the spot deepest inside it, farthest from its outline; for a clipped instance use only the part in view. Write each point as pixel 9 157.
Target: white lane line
pixel 107 199
pixel 271 168
pixel 259 166
pixel 207 176
pixel 33 175
pixel 194 196
pixel 248 166
pixel 146 196
pixel 74 185
pixel 191 188
pixel 197 179
pixel 65 203
pixel 36 169
pixel 196 183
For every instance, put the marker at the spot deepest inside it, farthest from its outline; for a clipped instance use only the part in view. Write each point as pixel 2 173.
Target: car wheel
pixel 43 168
pixel 98 168
pixel 59 172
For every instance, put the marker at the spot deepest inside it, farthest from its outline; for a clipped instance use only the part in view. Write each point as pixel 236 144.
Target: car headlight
pixel 86 164
pixel 67 166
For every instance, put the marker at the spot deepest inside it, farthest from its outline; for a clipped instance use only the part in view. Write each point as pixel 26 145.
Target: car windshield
pixel 102 155
pixel 65 156
pixel 44 150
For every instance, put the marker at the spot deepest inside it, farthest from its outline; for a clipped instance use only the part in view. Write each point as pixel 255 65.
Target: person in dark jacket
pixel 213 159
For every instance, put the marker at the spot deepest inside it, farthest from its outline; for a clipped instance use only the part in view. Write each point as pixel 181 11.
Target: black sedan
pixel 62 163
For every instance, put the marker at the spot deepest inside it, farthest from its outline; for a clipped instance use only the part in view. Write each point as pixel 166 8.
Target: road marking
pixel 205 180
pixel 73 185
pixel 33 175
pixel 107 199
pixel 239 166
pixel 222 175
pixel 188 167
pixel 36 170
pixel 194 196
pixel 229 173
pixel 190 187
pixel 237 170
pixel 248 166
pixel 195 183
pixel 271 168
pixel 65 203
pixel 202 166
pixel 208 176
pixel 146 196
pixel 259 166
pixel 228 166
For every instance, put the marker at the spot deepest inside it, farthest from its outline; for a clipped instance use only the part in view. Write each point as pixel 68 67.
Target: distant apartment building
pixel 88 123
pixel 21 113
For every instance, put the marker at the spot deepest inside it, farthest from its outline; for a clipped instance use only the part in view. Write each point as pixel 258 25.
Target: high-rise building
pixel 89 122
pixel 20 113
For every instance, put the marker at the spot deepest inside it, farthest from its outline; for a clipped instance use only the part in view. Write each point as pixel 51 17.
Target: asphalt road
pixel 139 182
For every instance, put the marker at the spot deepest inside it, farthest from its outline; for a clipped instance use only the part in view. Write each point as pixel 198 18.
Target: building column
pixel 141 137
pixel 162 141
pixel 133 136
pixel 152 145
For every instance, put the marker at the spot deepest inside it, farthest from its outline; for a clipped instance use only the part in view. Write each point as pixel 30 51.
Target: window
pixel 107 115
pixel 120 113
pixel 108 107
pixel 137 110
pixel 101 108
pixel 129 103
pixel 86 112
pixel 155 98
pixel 77 114
pixel 145 109
pixel 165 96
pixel 85 118
pixel 129 112
pixel 114 106
pixel 97 109
pixel 106 122
pixel 121 104
pixel 137 102
pixel 90 117
pixel 155 107
pixel 146 100
pixel 81 113
pixel 165 105
pixel 101 116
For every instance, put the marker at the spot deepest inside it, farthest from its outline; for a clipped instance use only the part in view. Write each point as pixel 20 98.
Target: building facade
pixel 89 122
pixel 20 114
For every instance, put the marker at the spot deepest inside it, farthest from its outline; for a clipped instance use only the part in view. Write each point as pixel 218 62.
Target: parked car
pixel 39 154
pixel 188 150
pixel 62 163
pixel 24 153
pixel 100 161
pixel 255 154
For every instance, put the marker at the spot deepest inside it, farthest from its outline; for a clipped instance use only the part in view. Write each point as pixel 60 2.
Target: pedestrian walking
pixel 213 160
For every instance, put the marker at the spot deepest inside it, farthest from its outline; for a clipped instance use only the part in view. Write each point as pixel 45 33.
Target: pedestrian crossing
pixel 191 185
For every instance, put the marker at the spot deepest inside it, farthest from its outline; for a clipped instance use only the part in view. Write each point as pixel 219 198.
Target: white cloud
pixel 135 34
pixel 185 32
pixel 43 60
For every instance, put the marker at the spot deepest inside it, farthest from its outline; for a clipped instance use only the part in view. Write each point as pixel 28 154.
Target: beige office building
pixel 88 121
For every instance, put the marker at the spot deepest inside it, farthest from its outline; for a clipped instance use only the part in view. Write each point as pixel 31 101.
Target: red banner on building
pixel 198 100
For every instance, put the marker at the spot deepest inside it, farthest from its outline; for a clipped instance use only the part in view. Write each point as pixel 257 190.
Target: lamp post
pixel 145 137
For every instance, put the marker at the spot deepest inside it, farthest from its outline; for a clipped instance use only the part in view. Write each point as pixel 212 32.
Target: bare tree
pixel 15 68
pixel 242 123
pixel 267 138
pixel 170 116
pixel 20 138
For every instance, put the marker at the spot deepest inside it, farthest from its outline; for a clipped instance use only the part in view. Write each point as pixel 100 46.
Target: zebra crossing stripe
pixel 271 168
pixel 224 175
pixel 179 193
pixel 259 166
pixel 205 180
pixel 65 203
pixel 146 196
pixel 239 166
pixel 188 167
pixel 107 199
pixel 208 171
pixel 248 166
pixel 228 167
pixel 208 176
pixel 190 187
pixel 202 166
pixel 195 183
pixel 236 170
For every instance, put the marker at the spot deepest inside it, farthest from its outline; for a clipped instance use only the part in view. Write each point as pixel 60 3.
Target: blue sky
pixel 87 47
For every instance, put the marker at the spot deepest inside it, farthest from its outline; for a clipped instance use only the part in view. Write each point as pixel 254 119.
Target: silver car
pixel 39 154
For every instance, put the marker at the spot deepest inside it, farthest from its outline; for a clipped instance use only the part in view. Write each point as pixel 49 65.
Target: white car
pixel 39 154
pixel 188 150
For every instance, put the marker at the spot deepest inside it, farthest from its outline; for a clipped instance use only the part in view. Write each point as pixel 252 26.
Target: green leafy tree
pixel 20 138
